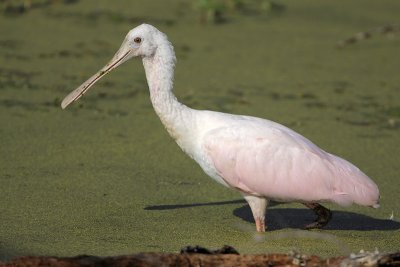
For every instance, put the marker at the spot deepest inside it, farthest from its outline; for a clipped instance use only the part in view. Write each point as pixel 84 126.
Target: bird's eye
pixel 137 40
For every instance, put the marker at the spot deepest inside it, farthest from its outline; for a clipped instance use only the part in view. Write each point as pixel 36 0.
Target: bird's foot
pixel 260 224
pixel 258 206
pixel 324 215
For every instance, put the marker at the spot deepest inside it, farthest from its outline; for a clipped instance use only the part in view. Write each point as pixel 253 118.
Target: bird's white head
pixel 141 41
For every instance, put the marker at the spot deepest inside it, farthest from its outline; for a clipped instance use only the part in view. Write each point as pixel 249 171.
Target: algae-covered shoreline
pixel 104 177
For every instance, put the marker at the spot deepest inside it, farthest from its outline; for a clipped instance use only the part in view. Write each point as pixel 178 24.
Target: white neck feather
pixel 176 117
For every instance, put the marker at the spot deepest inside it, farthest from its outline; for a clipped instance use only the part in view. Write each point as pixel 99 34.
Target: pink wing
pixel 273 161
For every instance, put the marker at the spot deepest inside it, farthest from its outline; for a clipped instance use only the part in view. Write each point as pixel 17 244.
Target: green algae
pixel 103 177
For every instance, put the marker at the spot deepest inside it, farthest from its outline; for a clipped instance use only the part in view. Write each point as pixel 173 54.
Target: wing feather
pixel 276 162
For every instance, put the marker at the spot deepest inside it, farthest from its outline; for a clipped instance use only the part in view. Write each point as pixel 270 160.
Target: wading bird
pixel 261 159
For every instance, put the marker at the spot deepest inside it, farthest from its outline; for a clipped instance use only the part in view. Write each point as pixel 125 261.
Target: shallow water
pixel 103 177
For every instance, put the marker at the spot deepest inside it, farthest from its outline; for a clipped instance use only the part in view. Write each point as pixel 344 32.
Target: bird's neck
pixel 176 117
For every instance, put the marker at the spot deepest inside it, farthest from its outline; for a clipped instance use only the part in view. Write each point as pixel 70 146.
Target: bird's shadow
pixel 282 218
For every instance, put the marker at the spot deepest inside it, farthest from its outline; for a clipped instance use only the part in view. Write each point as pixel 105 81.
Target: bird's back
pixel 264 158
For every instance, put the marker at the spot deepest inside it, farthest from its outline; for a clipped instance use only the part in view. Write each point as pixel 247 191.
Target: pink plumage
pixel 265 159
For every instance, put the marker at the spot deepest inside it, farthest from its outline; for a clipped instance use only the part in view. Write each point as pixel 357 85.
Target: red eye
pixel 137 40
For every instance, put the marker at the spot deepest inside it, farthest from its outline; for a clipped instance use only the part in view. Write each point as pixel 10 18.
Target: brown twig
pixel 210 258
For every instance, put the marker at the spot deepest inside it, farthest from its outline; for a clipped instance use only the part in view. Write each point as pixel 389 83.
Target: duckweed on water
pixel 104 177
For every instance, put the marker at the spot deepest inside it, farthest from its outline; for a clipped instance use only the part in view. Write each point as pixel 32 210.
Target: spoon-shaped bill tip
pixel 120 57
pixel 82 89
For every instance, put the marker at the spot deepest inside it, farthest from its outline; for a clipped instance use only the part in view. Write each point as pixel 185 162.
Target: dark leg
pixel 323 215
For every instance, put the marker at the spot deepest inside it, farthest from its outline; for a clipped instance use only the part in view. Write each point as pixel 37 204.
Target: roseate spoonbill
pixel 261 159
